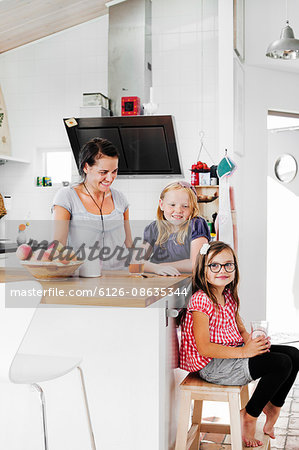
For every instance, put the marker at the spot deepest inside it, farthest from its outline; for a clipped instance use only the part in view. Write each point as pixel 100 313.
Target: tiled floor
pixel 287 426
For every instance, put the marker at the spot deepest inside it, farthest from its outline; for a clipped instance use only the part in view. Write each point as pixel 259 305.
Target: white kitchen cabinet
pixel 127 354
pixel 5 158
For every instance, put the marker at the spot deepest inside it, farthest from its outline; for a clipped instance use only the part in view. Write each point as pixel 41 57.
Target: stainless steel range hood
pixel 130 52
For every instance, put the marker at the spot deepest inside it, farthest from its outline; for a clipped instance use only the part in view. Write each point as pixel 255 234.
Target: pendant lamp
pixel 287 47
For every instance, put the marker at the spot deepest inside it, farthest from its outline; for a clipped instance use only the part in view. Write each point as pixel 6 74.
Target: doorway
pixel 283 222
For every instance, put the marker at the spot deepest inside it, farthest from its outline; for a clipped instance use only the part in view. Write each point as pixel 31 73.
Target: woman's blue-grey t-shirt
pixel 87 228
pixel 171 250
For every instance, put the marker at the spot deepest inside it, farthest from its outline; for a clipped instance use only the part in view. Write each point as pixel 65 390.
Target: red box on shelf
pixel 130 106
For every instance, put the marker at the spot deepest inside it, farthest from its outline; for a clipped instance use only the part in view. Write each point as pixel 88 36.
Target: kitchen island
pixel 128 343
pixel 113 288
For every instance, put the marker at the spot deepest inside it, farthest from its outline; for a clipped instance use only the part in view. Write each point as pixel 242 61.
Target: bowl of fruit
pixel 55 262
pixel 200 167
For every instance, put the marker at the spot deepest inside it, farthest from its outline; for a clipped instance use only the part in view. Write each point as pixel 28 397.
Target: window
pixel 277 120
pixel 57 163
pixel 58 166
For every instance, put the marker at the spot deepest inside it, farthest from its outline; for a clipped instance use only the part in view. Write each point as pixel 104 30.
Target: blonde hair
pixel 164 227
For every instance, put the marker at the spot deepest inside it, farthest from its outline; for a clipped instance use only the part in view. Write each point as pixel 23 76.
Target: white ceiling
pixel 264 22
pixel 23 21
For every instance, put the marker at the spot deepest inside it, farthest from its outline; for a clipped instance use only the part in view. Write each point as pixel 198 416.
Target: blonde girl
pixel 174 239
pixel 216 345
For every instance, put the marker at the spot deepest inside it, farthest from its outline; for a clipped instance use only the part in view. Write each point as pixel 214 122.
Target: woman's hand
pixel 257 346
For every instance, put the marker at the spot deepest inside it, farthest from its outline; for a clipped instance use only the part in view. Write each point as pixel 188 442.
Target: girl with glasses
pixel 174 239
pixel 215 343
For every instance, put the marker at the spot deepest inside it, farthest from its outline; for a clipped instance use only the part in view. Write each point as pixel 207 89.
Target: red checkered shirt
pixel 222 326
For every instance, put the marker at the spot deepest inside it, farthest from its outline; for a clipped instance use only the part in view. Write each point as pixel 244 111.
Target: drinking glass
pixel 136 266
pixel 259 328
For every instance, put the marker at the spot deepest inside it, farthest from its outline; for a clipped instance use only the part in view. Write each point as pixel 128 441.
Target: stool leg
pixel 182 431
pixel 244 396
pixel 196 420
pixel 235 421
pixel 93 445
pixel 43 406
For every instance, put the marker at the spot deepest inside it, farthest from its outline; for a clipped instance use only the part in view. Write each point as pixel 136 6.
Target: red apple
pixel 47 256
pixel 24 252
pixel 59 246
pixel 67 256
pixel 37 255
pixel 65 261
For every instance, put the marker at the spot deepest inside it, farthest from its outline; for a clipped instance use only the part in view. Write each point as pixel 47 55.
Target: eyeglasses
pixel 216 267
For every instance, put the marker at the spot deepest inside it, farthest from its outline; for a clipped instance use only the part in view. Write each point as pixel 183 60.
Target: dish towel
pixel 2 207
pixel 226 220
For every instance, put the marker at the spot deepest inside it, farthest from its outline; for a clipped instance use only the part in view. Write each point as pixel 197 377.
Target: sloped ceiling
pixel 23 21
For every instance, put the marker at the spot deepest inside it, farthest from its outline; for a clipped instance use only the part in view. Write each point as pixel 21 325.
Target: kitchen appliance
pixel 147 144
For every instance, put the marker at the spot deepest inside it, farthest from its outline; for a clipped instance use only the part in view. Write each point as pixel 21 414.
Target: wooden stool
pixel 194 388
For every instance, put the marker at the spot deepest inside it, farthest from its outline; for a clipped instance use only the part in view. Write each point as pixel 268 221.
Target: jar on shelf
pixel 194 175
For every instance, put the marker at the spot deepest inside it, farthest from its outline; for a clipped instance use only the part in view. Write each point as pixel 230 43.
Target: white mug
pixel 91 269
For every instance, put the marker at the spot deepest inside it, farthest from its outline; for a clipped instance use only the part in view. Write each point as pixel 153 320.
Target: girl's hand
pixel 160 269
pixel 269 340
pixel 254 347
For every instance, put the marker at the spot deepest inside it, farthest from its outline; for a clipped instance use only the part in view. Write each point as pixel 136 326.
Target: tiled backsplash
pixel 43 82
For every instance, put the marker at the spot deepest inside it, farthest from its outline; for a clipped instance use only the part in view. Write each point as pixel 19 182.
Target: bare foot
pixel 248 425
pixel 272 414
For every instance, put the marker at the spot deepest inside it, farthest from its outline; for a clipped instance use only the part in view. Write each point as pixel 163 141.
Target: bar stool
pixel 194 388
pixel 16 314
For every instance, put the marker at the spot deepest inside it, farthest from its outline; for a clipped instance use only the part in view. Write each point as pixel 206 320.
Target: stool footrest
pixel 220 428
pixel 192 433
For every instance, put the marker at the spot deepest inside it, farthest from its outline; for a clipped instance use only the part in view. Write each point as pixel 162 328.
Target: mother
pixel 92 211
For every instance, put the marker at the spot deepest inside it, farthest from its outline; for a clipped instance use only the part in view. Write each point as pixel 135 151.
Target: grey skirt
pixel 230 372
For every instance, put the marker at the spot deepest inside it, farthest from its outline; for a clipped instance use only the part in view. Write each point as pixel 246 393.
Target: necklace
pixel 99 208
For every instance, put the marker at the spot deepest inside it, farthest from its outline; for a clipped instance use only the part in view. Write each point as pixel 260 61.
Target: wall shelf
pixel 207 186
pixel 5 158
pixel 208 208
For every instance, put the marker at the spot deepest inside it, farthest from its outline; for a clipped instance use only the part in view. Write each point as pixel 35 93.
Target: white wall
pixel 43 82
pixel 273 87
pixel 261 94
